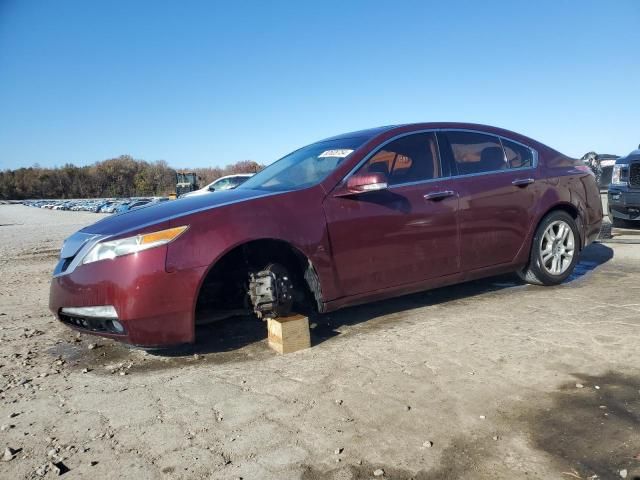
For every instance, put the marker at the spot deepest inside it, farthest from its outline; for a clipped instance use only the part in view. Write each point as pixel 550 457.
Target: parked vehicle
pixel 351 219
pixel 186 182
pixel 602 166
pixel 125 207
pixel 99 206
pixel 624 191
pixel 96 205
pixel 227 182
pixel 112 207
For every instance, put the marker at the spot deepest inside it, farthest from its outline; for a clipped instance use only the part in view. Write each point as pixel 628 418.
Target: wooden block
pixel 289 334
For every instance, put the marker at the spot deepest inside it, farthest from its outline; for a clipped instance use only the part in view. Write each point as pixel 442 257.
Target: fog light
pixel 105 311
pixel 116 326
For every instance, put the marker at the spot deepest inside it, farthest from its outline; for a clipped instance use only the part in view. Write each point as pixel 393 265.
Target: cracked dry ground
pixel 486 371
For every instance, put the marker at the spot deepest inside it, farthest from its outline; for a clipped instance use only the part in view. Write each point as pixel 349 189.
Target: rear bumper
pixel 624 203
pixel 155 308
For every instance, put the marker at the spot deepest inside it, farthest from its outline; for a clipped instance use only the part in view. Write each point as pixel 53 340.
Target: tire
pixel 554 251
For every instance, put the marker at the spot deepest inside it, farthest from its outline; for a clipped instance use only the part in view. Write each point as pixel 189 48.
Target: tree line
pixel 123 176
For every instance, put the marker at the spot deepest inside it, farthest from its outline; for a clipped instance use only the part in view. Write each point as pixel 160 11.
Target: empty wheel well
pixel 224 288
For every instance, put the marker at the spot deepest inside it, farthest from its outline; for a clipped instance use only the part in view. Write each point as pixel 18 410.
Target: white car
pixel 223 183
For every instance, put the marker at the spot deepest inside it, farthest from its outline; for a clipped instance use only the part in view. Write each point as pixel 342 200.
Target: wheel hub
pixel 271 292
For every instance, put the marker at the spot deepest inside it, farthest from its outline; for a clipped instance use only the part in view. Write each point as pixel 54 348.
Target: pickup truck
pixel 624 191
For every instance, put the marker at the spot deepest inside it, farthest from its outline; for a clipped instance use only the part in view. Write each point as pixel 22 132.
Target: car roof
pixel 367 133
pixel 228 176
pixel 370 133
pixel 235 175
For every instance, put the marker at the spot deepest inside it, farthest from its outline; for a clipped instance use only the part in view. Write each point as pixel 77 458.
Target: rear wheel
pixel 554 251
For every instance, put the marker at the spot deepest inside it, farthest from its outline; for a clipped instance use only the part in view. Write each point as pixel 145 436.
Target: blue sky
pixel 210 83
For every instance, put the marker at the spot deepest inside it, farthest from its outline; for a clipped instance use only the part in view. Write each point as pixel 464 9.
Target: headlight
pixel 620 174
pixel 125 246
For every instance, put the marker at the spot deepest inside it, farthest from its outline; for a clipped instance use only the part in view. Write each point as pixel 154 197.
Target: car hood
pixel 632 157
pixel 161 212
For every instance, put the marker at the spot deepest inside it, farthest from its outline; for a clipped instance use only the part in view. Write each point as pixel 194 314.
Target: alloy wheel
pixel 557 247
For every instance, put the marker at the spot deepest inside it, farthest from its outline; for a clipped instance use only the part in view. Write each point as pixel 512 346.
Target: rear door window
pixel 473 152
pixel 518 156
pixel 413 158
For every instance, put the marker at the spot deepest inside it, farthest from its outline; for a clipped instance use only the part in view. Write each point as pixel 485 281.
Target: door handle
pixel 523 182
pixel 439 195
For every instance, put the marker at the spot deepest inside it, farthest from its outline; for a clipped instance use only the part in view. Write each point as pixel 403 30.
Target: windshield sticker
pixel 339 153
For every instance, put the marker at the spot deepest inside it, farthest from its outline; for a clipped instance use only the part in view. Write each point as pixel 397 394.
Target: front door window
pixel 413 158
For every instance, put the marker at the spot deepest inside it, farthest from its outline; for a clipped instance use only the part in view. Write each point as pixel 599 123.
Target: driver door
pixel 403 234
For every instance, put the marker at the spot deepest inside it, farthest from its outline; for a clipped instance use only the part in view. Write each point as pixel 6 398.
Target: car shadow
pixel 591 257
pixel 328 324
pixel 237 332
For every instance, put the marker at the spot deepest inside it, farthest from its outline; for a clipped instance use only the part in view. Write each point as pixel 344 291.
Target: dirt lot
pixel 488 380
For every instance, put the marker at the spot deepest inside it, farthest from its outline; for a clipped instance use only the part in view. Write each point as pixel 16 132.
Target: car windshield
pixel 227 183
pixel 304 167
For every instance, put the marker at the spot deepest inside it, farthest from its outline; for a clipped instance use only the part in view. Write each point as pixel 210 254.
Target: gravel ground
pixel 487 380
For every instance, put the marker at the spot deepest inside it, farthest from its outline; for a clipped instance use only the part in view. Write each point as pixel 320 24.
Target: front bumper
pixel 155 308
pixel 624 203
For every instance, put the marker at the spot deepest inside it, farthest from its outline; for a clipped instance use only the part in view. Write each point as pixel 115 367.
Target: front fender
pixel 295 218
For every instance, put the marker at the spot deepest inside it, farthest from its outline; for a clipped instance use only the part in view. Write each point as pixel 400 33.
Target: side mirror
pixel 367 182
pixel 212 188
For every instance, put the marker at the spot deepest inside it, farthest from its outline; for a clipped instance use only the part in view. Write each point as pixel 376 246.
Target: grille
pixel 634 174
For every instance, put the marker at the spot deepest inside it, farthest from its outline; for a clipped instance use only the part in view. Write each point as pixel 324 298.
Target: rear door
pixel 496 183
pixel 404 234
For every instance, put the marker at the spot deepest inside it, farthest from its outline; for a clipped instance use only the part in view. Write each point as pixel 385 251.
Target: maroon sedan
pixel 351 219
